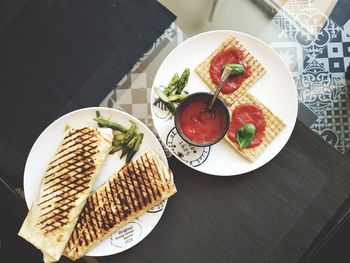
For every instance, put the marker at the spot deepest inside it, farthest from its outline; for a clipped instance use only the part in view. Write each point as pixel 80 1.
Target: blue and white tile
pixel 292 54
pixel 317 51
pixel 329 135
pixel 336 56
pixel 307 26
pixel 317 87
pixel 335 121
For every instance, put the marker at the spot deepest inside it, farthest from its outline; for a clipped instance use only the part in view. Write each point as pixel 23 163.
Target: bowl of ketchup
pixel 198 127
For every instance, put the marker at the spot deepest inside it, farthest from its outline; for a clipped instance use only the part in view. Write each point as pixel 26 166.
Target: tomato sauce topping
pixel 228 56
pixel 199 126
pixel 248 113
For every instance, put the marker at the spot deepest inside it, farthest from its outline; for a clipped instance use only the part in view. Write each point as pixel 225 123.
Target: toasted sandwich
pixel 64 190
pixel 136 188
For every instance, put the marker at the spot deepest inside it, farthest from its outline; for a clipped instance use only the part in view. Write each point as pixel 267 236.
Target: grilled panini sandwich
pixel 136 188
pixel 64 189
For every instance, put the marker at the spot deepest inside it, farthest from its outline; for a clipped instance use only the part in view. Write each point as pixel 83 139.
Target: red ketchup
pixel 198 126
pixel 228 56
pixel 248 113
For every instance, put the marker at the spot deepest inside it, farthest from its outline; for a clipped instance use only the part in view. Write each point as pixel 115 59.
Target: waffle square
pixel 257 70
pixel 273 126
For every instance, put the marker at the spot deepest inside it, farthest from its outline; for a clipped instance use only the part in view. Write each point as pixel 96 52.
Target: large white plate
pixel 45 147
pixel 276 89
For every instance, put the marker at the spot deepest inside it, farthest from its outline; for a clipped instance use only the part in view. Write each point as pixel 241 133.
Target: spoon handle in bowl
pixel 227 71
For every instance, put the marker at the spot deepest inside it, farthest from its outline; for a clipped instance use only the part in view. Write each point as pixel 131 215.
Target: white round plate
pixel 45 147
pixel 276 89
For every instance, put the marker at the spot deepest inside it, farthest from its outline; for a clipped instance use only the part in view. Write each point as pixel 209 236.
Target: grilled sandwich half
pixel 64 189
pixel 136 188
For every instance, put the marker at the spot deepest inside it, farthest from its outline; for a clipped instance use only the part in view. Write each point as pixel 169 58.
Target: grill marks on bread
pixel 67 176
pixel 136 188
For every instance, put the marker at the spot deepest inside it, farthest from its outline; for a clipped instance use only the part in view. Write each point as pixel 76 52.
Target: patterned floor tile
pixel 317 52
pixel 305 115
pixel 328 32
pixel 307 26
pixel 338 114
pixel 292 54
pixel 331 137
pixel 318 88
pixel 334 122
pixel 336 56
pixel 285 17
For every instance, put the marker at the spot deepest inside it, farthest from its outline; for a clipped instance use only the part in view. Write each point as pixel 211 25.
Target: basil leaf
pixel 245 135
pixel 236 69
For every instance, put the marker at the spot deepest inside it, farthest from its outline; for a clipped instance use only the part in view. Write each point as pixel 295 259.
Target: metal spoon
pixel 225 74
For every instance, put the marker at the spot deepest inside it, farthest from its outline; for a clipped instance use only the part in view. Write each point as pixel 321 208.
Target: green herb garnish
pixel 236 69
pixel 245 135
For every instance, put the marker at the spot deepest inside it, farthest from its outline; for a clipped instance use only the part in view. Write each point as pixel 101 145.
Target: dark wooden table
pixel 269 215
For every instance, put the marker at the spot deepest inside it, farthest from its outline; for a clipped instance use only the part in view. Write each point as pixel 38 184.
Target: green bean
pixel 167 103
pixel 135 147
pixel 177 97
pixel 124 152
pixel 120 137
pixel 130 133
pixel 138 142
pixel 129 156
pixel 172 84
pixel 110 124
pixel 124 139
pixel 131 143
pixel 170 88
pixel 117 132
pixel 162 96
pixel 170 106
pixel 182 82
pixel 115 148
